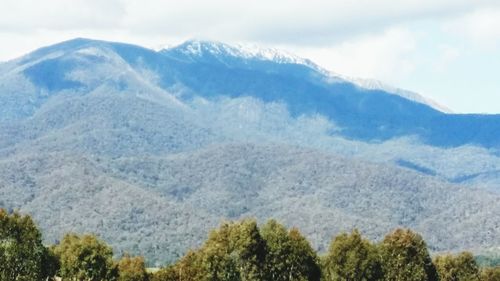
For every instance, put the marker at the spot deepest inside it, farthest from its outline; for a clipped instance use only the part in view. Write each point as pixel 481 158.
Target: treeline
pixel 235 251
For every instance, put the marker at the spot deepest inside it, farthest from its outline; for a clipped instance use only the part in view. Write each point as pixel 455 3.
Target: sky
pixel 445 50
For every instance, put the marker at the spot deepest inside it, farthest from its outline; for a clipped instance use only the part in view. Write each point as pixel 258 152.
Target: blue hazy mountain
pixel 212 70
pixel 150 149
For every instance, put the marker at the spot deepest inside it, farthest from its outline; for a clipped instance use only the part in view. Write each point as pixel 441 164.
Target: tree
pixel 289 255
pixel 405 257
pixel 188 268
pixel 461 267
pixel 350 257
pixel 490 274
pixel 168 273
pixel 132 269
pixel 21 248
pixel 236 251
pixel 306 264
pixel 85 258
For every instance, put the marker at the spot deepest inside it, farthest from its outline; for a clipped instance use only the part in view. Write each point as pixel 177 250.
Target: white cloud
pixel 156 22
pixel 28 16
pixel 447 55
pixel 481 26
pixel 281 21
pixel 386 56
pixel 278 21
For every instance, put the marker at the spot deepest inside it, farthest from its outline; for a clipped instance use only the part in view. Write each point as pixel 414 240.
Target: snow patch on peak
pixel 272 54
pixel 245 51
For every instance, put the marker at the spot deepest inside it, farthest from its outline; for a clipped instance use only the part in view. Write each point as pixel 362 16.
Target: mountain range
pixel 151 148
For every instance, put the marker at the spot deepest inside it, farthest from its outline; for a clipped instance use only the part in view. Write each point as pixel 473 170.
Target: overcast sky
pixel 447 50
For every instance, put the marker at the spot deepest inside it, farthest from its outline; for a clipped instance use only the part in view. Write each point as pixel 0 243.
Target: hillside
pixel 171 201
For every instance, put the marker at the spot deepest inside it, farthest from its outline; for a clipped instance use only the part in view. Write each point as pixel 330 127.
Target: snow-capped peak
pixel 244 51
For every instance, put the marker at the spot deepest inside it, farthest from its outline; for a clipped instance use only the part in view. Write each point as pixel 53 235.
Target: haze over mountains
pixel 150 149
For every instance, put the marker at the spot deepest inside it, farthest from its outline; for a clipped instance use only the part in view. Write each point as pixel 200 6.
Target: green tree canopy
pixel 461 267
pixel 289 254
pixel 85 258
pixel 132 269
pixel 405 257
pixel 188 268
pixel 21 250
pixel 236 251
pixel 351 258
pixel 168 273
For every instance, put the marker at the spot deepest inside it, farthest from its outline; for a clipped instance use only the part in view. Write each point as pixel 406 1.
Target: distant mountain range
pixel 150 149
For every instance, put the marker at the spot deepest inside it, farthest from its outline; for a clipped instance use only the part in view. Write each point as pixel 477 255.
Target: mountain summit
pixel 203 49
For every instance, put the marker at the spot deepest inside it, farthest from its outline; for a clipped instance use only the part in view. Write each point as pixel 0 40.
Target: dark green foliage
pixel 405 257
pixel 85 258
pixel 351 258
pixel 132 269
pixel 461 267
pixel 289 254
pixel 50 263
pixel 306 266
pixel 22 254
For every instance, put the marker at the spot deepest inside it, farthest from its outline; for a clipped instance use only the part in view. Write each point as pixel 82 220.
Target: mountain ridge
pixel 388 117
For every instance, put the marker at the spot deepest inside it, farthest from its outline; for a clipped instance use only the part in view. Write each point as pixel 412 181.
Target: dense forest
pixel 241 250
